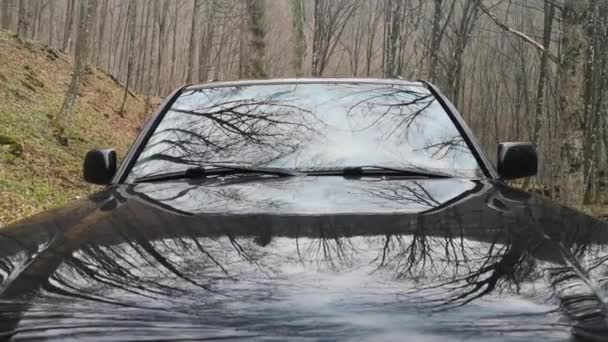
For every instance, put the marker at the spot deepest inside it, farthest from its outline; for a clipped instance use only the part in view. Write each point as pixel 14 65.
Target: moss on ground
pixel 36 172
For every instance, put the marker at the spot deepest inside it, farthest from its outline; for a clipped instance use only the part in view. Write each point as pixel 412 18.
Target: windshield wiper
pixel 217 170
pixel 377 170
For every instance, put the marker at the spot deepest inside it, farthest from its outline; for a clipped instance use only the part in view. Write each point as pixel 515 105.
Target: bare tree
pixel 573 45
pixel 174 41
pixel 393 20
pixel 330 19
pixel 6 14
pixel 59 121
pixel 23 20
pixel 193 30
pixel 299 37
pixel 455 63
pixel 102 29
pixel 162 13
pixel 131 17
pixel 206 44
pixel 51 24
pixel 69 20
pixel 549 14
pixel 439 25
pixel 257 34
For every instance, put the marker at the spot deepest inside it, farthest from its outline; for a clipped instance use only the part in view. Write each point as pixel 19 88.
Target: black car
pixel 305 210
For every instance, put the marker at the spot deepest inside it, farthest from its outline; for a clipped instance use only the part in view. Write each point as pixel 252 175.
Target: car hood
pixel 306 258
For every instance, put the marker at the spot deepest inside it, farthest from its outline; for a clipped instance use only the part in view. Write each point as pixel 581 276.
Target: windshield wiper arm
pixel 377 170
pixel 217 170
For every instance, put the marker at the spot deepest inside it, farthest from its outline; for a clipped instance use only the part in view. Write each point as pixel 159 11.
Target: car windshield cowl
pixel 352 172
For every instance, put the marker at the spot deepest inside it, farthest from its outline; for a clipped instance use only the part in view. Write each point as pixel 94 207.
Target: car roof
pixel 389 81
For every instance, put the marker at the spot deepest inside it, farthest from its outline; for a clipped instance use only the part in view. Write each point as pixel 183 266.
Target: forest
pixel 517 70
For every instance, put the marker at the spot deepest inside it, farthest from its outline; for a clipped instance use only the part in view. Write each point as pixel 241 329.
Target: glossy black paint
pixel 516 160
pixel 306 258
pixel 99 166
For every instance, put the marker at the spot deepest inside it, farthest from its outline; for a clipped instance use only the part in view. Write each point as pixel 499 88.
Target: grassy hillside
pixel 35 171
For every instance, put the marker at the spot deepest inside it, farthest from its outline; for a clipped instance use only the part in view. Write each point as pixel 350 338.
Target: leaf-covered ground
pixel 35 171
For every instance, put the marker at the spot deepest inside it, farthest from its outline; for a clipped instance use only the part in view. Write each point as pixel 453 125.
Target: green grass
pixel 36 172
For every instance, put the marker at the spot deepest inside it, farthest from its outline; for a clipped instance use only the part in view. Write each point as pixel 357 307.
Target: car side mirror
pixel 100 166
pixel 517 160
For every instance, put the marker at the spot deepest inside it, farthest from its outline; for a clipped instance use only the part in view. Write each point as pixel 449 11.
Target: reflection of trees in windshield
pixel 306 126
pixel 448 147
pixel 257 129
pixel 401 107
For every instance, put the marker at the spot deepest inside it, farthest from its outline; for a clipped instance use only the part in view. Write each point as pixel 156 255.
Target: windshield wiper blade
pixel 217 170
pixel 378 170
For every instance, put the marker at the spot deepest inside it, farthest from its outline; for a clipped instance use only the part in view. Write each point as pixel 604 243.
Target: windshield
pixel 307 127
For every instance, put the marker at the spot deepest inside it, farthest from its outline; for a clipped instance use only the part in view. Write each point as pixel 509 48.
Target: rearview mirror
pixel 100 166
pixel 517 160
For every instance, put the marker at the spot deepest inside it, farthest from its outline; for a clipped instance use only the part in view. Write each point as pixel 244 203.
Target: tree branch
pixel 517 33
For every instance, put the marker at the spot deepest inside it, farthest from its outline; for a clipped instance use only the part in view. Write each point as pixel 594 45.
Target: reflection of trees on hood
pixel 327 249
pixel 451 261
pixel 502 266
pixel 513 254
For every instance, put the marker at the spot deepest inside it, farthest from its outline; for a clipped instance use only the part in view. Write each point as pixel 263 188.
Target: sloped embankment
pixel 35 171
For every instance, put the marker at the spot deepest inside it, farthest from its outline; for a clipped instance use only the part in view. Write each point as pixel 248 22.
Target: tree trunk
pixel 51 23
pixel 316 37
pixel 372 24
pixel 204 48
pixel 299 37
pixel 82 41
pixel 111 33
pixel 23 21
pixel 154 38
pixel 549 10
pixel 6 14
pixel 35 14
pixel 192 46
pixel 572 187
pixel 257 35
pixel 439 25
pixel 132 18
pixel 174 42
pixel 435 39
pixel 162 28
pixel 470 15
pixel 69 21
pixel 145 48
pixel 392 37
pixel 102 30
pixel 92 52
